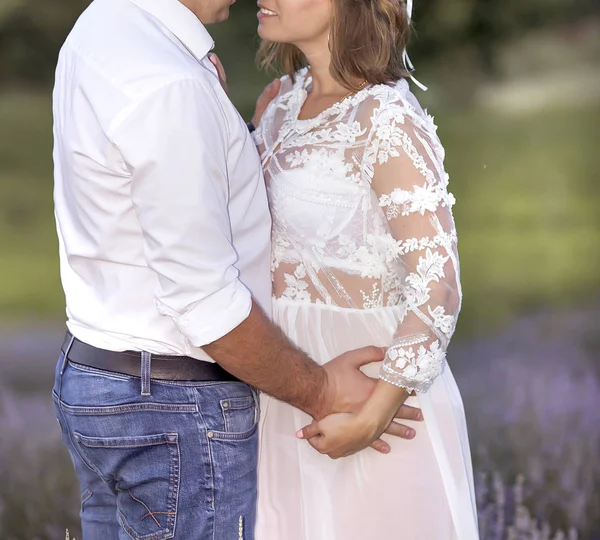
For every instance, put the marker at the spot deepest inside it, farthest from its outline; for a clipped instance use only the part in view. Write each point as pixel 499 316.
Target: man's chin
pixel 224 15
pixel 221 16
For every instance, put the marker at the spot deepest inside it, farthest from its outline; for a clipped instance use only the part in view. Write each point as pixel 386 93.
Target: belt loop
pixel 64 364
pixel 66 354
pixel 146 369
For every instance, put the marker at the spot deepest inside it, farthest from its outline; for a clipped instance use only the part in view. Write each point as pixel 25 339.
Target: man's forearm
pixel 258 353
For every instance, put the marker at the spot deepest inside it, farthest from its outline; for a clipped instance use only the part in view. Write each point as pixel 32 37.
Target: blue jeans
pixel 180 463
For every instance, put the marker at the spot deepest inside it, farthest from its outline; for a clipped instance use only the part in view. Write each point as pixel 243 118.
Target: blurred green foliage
pixel 31 31
pixel 527 198
pixel 527 209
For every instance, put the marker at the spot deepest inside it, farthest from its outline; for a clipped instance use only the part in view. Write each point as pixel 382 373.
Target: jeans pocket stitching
pixel 171 441
pixel 69 438
pixel 130 407
pixel 163 534
pixel 225 436
pixel 236 403
pixel 87 495
pixel 101 372
pixel 119 442
pixel 229 405
pixel 173 502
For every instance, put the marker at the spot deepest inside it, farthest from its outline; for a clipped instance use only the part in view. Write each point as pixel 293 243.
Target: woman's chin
pixel 266 32
pixel 263 32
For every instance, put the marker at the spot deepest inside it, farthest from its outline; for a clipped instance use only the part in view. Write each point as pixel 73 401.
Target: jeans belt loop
pixel 66 355
pixel 146 370
pixel 64 365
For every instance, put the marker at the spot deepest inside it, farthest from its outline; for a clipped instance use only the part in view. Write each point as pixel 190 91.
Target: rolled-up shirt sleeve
pixel 174 144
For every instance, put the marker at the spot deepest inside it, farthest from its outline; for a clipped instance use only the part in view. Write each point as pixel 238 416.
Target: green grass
pixel 527 210
pixel 29 279
pixel 529 229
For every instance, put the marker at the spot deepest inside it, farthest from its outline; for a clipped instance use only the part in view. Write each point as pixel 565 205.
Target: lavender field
pixel 514 87
pixel 532 395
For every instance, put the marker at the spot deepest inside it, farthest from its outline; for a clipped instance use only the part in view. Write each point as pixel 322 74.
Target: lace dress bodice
pixel 362 217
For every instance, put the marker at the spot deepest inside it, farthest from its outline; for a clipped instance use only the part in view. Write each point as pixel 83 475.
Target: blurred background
pixel 515 90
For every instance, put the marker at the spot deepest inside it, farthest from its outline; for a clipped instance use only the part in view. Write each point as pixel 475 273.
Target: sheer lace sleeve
pixel 404 163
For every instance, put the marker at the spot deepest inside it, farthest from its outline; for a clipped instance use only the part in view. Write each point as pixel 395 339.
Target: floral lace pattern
pixel 362 217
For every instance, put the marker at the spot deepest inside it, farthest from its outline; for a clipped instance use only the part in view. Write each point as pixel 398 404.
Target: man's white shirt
pixel 160 202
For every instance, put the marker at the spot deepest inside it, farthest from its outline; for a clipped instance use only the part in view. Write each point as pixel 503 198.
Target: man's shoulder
pixel 130 50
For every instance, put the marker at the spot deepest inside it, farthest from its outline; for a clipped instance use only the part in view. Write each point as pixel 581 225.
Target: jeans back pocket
pixel 144 472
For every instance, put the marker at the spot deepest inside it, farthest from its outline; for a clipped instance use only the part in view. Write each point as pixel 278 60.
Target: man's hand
pixel 268 95
pixel 348 388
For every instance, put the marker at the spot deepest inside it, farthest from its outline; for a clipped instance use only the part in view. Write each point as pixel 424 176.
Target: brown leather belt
pixel 163 367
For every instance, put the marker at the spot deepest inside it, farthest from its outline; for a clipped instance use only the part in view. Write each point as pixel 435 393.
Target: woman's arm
pixel 404 163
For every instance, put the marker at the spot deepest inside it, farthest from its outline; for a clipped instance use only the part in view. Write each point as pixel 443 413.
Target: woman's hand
pixel 268 95
pixel 342 434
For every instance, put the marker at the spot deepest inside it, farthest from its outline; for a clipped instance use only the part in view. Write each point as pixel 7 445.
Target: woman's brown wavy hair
pixel 367 39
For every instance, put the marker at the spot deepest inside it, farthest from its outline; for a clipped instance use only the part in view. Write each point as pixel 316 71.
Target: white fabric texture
pixel 161 208
pixel 364 253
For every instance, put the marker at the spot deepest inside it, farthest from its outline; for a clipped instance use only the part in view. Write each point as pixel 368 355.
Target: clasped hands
pixel 356 410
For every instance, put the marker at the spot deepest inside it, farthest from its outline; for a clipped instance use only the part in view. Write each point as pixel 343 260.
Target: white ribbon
pixel 405 58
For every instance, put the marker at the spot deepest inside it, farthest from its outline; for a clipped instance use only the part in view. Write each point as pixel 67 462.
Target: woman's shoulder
pixel 393 102
pixel 287 85
pixel 385 98
pixel 293 82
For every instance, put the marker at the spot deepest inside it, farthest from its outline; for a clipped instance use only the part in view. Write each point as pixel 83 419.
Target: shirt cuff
pixel 215 316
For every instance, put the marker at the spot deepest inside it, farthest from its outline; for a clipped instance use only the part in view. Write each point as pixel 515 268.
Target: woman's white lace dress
pixel 364 253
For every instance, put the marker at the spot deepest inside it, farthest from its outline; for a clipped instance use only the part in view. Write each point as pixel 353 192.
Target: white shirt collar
pixel 182 23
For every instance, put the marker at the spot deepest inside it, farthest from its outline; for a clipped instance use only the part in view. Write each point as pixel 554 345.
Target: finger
pixel 310 431
pixel 217 63
pixel 214 59
pixel 221 72
pixel 406 412
pixel 399 430
pixel 367 355
pixel 381 447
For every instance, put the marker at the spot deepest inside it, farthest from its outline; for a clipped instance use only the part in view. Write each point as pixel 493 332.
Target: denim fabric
pixel 179 463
